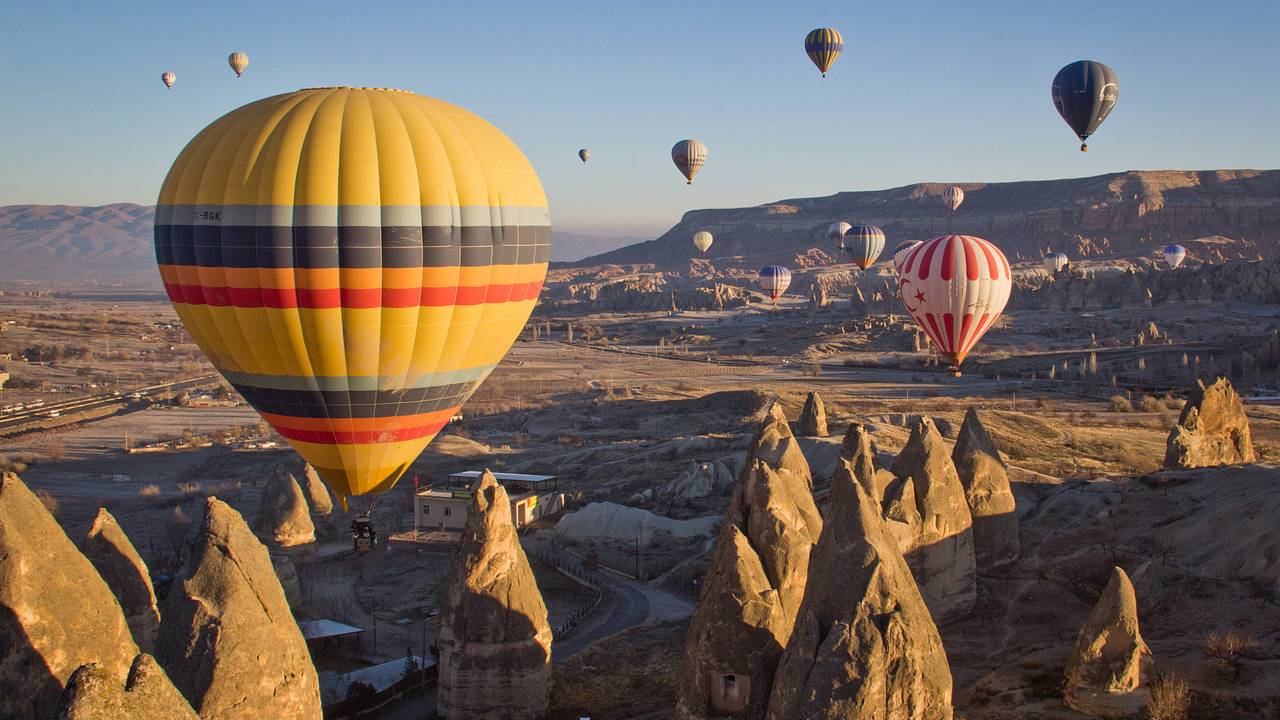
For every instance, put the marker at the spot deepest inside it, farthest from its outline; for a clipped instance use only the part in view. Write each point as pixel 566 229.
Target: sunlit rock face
pixel 1212 430
pixel 755 583
pixel 939 549
pixel 495 641
pixel 56 613
pixel 227 637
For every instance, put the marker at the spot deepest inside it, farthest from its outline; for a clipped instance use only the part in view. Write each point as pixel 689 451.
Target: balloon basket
pixel 1084 147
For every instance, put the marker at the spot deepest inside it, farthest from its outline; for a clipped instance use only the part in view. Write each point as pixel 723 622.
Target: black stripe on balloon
pixel 355 403
pixel 351 247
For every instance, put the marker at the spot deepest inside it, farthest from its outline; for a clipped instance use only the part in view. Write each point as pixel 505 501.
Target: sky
pixel 925 91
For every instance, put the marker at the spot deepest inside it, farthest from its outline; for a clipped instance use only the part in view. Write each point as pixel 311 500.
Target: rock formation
pixel 317 494
pixel 283 517
pixel 147 694
pixel 986 487
pixel 56 613
pixel 755 583
pixel 1212 430
pixel 1110 664
pixel 940 553
pixel 124 571
pixel 813 419
pixel 864 645
pixel 699 481
pixel 495 643
pixel 227 638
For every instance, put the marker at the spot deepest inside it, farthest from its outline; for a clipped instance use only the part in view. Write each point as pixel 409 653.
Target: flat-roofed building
pixel 443 505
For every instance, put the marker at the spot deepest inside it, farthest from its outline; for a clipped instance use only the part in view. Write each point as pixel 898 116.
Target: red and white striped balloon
pixel 953 196
pixel 955 286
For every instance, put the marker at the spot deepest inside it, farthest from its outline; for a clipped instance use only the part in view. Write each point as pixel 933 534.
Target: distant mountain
pixel 107 245
pixel 111 245
pixel 570 247
pixel 1120 214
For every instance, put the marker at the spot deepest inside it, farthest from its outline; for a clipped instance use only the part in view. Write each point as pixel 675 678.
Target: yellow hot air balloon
pixel 355 261
pixel 238 62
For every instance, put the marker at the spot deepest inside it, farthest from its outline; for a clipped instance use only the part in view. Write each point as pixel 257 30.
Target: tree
pixel 54 450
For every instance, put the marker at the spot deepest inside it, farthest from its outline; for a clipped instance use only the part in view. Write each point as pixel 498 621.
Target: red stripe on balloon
pixel 966 327
pixel 361 437
pixel 948 258
pixel 970 257
pixel 927 260
pixel 993 266
pixel 949 322
pixel 936 333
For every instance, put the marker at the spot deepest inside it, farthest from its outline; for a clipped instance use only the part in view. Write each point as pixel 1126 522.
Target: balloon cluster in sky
pixel 356 261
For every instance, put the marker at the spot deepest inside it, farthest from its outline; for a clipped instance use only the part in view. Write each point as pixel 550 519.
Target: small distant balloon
pixel 774 280
pixel 836 231
pixel 1085 93
pixel 1174 255
pixel 1055 262
pixel 238 62
pixel 689 157
pixel 585 154
pixel 824 46
pixel 168 79
pixel 865 243
pixel 953 196
pixel 900 251
pixel 702 240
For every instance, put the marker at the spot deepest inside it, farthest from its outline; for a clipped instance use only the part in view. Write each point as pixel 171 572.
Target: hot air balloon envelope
pixel 689 156
pixel 585 154
pixel 836 231
pixel 238 62
pixel 824 46
pixel 774 280
pixel 702 240
pixel 355 262
pixel 954 287
pixel 900 251
pixel 953 196
pixel 1085 93
pixel 1174 255
pixel 865 243
pixel 1055 262
pixel 168 79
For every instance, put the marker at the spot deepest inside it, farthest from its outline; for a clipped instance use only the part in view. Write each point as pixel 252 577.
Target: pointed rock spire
pixel 864 644
pixel 755 583
pixel 986 487
pixel 495 642
pixel 283 517
pixel 227 638
pixel 1110 664
pixel 124 571
pixel 813 419
pixel 941 554
pixel 56 613
pixel 317 494
pixel 147 694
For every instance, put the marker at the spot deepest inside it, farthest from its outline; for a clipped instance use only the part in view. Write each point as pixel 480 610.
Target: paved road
pixel 16 420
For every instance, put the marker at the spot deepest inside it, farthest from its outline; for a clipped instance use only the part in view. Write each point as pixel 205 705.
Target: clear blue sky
pixel 941 91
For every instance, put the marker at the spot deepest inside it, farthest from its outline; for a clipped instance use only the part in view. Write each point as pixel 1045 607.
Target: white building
pixel 443 506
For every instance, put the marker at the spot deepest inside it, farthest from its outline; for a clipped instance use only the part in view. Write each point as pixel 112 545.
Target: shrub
pixel 50 502
pixel 1170 699
pixel 1149 404
pixel 189 488
pixel 1120 404
pixel 149 491
pixel 1228 651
